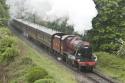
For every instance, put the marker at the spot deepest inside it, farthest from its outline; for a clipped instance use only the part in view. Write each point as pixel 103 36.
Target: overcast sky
pixel 80 12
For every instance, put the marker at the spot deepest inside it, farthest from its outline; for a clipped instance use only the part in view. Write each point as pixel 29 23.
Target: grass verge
pixel 111 65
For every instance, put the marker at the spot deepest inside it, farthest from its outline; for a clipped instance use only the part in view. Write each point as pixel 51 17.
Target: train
pixel 69 48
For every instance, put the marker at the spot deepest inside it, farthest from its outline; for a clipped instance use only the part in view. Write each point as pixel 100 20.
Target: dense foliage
pixel 8 49
pixel 4 15
pixel 108 25
pixel 36 73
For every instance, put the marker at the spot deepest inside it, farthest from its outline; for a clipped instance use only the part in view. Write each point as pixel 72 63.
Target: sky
pixel 79 12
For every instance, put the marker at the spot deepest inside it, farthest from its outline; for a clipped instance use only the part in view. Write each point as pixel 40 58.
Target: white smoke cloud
pixel 79 12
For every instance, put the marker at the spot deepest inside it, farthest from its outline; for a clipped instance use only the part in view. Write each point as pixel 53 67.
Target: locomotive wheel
pixel 83 69
pixel 87 69
pixel 64 58
pixel 91 69
pixel 54 52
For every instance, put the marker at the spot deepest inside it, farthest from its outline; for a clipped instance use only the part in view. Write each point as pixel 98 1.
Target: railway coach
pixel 69 48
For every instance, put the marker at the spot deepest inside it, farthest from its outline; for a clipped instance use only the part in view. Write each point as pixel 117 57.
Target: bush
pixel 109 47
pixel 8 49
pixel 45 81
pixel 7 42
pixel 36 73
pixel 9 54
pixel 4 32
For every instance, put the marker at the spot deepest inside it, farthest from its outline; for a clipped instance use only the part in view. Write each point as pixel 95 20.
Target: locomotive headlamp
pixel 78 60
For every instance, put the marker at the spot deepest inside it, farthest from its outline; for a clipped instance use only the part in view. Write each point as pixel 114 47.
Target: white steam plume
pixel 79 12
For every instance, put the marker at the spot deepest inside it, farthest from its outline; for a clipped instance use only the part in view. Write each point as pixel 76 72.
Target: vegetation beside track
pixel 111 65
pixel 108 36
pixel 58 72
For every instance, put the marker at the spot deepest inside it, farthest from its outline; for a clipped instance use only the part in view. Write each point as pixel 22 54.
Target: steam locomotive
pixel 69 48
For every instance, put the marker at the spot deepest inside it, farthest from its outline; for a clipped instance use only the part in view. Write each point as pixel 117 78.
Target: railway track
pixel 94 77
pixel 81 77
pixel 97 78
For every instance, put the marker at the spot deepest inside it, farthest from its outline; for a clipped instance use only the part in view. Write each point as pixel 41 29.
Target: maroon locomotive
pixel 69 48
pixel 74 51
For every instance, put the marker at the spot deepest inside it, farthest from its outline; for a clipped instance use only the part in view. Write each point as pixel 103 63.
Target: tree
pixel 108 25
pixel 60 25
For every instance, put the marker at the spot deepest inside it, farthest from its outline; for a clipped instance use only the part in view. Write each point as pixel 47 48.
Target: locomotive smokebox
pixel 75 43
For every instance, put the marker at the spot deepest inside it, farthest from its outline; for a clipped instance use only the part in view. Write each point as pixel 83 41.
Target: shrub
pixel 4 32
pixel 45 81
pixel 109 47
pixel 36 73
pixel 7 42
pixel 8 49
pixel 9 54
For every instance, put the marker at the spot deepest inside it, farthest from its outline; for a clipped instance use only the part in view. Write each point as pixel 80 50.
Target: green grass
pixel 17 70
pixel 111 65
pixel 60 73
